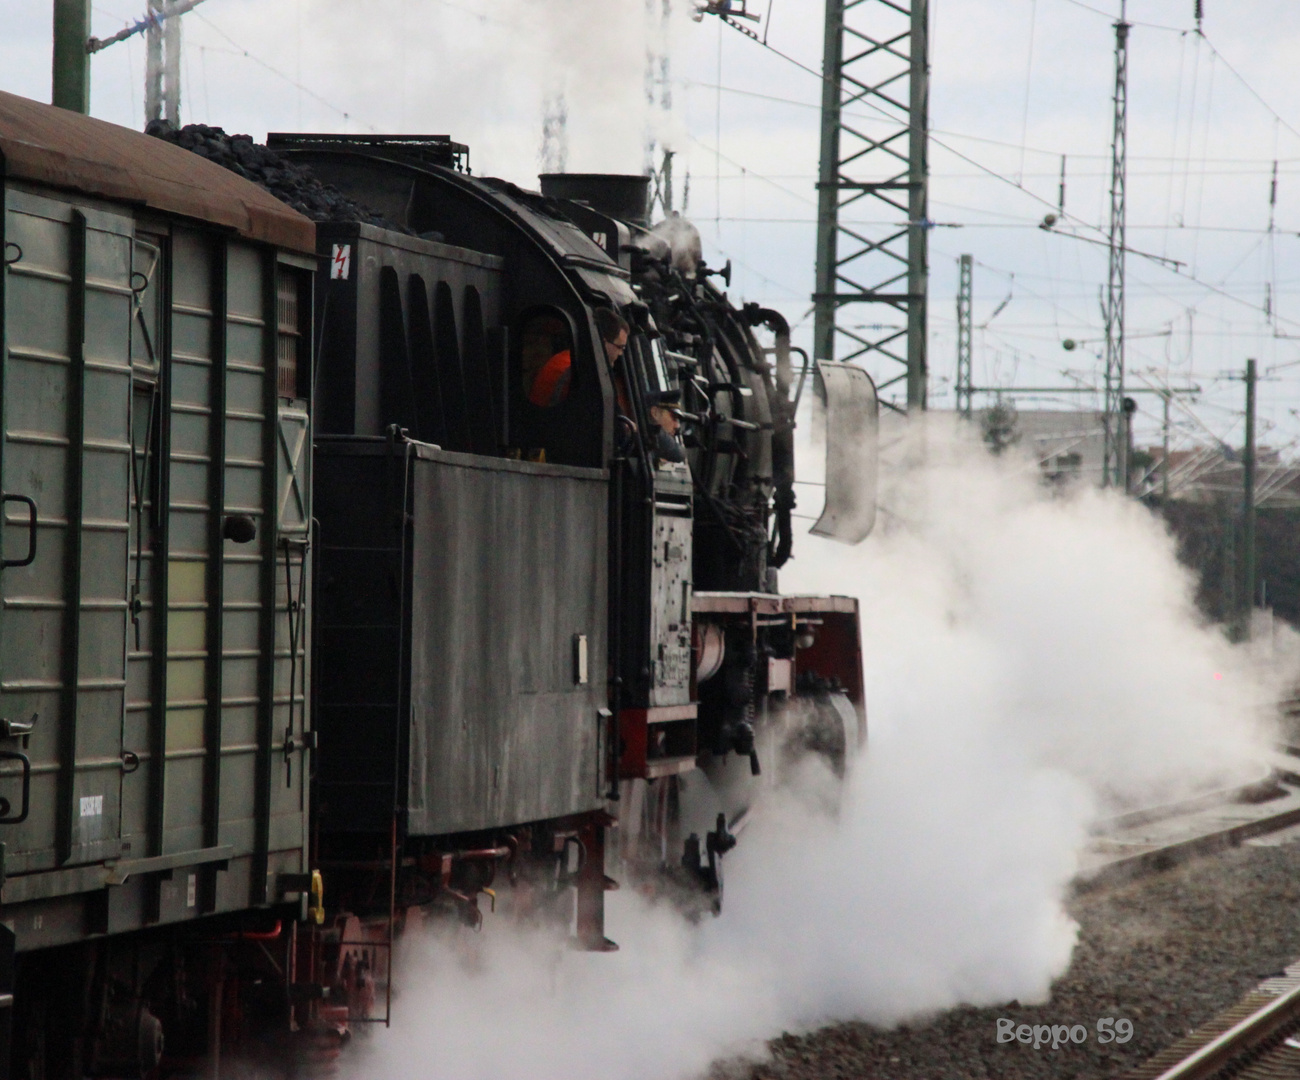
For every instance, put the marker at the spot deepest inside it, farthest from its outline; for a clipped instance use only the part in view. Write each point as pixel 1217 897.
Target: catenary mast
pixel 871 283
pixel 964 377
pixel 1115 462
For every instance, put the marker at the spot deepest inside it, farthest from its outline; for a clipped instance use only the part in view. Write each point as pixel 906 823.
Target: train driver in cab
pixel 665 408
pixel 547 361
pixel 614 332
pixel 548 358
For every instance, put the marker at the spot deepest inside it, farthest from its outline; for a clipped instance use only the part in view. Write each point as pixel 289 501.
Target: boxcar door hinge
pixel 292 744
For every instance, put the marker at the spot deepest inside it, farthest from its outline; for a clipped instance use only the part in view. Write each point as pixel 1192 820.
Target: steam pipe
pixel 482 854
pixel 776 322
pixel 783 500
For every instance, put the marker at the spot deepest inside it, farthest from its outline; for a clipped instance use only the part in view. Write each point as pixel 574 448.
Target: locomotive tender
pixel 314 624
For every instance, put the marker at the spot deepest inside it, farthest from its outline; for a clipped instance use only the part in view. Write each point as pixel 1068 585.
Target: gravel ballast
pixel 1167 952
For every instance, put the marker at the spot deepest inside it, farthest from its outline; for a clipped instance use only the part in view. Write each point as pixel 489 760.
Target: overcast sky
pixel 1016 84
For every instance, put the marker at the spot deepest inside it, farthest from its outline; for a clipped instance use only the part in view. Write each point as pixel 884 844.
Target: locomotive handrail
pixel 31 530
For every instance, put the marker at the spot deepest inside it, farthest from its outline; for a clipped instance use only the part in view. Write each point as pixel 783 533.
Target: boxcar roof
pixel 79 153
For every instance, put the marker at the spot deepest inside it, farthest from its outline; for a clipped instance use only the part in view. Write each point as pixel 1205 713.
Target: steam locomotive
pixel 315 623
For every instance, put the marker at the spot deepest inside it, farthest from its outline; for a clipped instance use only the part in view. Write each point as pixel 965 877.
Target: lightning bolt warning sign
pixel 341 262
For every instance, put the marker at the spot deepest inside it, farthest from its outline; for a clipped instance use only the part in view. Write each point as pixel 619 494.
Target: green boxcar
pixel 153 651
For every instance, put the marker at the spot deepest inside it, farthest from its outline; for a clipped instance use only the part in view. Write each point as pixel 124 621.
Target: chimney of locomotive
pixel 619 196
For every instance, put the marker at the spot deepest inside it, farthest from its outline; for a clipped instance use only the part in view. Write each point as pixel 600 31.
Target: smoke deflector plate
pixel 852 451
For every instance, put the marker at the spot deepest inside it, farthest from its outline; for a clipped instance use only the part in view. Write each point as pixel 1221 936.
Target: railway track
pixel 1256 1039
pixel 1158 837
pixel 1259 1037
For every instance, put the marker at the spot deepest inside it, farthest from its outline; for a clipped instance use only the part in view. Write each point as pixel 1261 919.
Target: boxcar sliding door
pixel 223 798
pixel 67 448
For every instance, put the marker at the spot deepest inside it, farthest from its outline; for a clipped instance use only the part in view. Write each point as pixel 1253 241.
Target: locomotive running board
pixel 852 450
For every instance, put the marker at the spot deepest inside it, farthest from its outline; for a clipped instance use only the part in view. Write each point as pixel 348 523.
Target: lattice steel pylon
pixel 1115 463
pixel 874 168
pixel 659 154
pixel 162 74
pixel 964 378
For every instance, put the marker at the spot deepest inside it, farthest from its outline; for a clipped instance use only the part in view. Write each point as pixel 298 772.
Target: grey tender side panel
pixel 509 564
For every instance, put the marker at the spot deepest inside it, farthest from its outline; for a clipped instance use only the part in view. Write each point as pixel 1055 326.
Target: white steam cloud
pixel 607 65
pixel 1032 660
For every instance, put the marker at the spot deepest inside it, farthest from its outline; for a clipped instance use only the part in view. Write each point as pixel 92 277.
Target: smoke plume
pixel 610 63
pixel 1032 660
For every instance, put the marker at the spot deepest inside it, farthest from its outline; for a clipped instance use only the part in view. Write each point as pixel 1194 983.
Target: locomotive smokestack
pixel 618 195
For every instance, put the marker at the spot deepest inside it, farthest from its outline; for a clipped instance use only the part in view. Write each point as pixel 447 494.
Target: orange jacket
pixel 551 384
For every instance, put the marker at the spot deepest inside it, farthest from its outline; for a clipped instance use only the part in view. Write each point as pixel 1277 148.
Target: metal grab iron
pixel 17 819
pixel 31 530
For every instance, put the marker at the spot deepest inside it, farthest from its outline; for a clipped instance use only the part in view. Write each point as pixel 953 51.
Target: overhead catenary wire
pixel 949 139
pixel 1232 230
pixel 150 19
pixel 241 51
pixel 1029 71
pixel 1200 35
pixel 959 136
pixel 1247 86
pixel 749 171
pixel 1173 138
pixel 1218 290
pixel 1205 145
pixel 688 84
pixel 1131 22
pixel 1184 161
pixel 1271 290
pixel 717 143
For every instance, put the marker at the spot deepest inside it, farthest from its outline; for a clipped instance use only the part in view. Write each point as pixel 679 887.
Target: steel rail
pixel 1273 1020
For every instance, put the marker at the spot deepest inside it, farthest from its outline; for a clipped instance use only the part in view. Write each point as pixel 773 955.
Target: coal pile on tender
pixel 294 184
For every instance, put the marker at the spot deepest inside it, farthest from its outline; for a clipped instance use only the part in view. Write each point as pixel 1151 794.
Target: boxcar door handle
pixel 31 531
pixel 16 729
pixel 5 817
